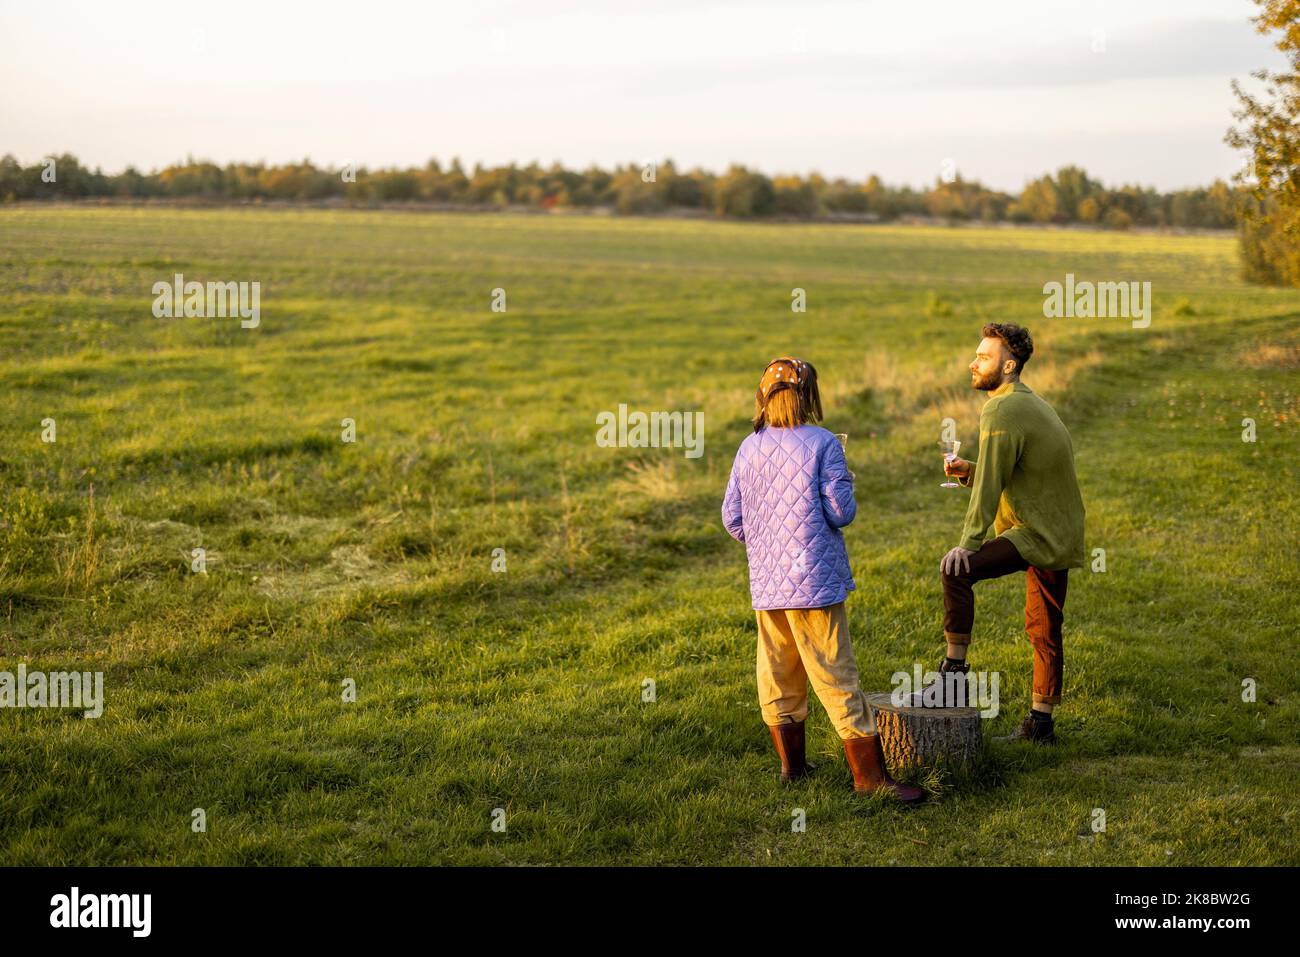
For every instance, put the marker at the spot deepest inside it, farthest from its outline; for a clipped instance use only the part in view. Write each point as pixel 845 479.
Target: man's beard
pixel 988 382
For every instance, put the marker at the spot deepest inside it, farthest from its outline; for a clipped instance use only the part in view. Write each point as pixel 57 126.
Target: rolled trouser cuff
pixel 1046 698
pixel 956 639
pixel 773 716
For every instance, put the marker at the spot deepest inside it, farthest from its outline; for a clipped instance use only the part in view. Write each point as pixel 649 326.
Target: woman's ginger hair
pixel 790 405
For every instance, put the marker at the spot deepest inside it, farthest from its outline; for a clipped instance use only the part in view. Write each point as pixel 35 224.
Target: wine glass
pixel 950 448
pixel 844 444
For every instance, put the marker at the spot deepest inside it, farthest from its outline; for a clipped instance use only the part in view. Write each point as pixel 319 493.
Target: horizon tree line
pixel 1069 195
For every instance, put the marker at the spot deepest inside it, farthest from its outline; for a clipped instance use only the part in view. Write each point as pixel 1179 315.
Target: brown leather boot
pixel 1041 731
pixel 789 741
pixel 867 762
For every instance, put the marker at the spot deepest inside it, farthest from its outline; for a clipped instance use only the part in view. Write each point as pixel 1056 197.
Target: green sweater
pixel 1023 483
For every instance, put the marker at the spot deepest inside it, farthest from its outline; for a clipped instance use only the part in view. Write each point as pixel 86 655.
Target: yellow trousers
pixel 799 645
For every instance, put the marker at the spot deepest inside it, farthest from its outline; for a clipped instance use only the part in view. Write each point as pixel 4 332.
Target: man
pixel 1022 483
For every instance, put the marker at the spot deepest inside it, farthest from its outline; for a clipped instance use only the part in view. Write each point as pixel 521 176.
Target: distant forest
pixel 1069 195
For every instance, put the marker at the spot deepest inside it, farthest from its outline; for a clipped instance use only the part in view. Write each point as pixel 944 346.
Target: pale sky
pixel 1006 89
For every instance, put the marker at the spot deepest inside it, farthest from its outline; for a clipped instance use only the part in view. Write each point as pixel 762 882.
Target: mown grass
pixel 476 431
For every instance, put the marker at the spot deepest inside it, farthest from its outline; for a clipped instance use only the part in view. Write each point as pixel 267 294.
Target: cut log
pixel 912 736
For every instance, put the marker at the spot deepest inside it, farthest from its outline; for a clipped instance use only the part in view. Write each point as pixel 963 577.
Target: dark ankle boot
pixel 867 762
pixel 789 742
pixel 945 693
pixel 1038 731
pixel 950 694
pixel 948 664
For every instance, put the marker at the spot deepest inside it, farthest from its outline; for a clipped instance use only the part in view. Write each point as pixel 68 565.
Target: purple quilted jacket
pixel 789 495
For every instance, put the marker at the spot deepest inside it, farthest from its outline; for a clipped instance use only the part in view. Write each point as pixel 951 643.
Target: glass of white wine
pixel 844 444
pixel 950 449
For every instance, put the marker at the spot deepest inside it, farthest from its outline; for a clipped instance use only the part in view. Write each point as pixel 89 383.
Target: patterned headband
pixel 784 373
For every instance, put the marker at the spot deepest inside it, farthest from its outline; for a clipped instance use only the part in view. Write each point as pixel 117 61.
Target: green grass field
pixel 522 690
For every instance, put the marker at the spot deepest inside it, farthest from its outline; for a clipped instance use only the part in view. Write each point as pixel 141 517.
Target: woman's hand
pixel 955 467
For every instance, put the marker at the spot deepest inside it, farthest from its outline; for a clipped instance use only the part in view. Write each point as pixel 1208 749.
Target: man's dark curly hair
pixel 1016 338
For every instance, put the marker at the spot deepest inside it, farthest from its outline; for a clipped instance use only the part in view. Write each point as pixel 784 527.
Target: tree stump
pixel 913 736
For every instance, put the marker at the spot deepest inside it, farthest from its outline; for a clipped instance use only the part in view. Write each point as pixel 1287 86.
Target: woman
pixel 789 494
